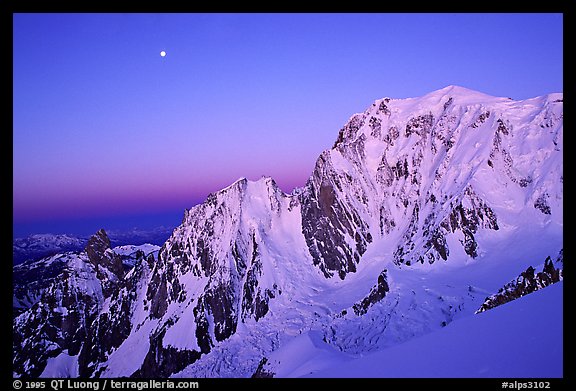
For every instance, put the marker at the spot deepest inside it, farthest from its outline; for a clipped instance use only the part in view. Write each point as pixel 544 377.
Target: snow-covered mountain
pixel 31 278
pixel 422 209
pixel 34 247
pixel 41 245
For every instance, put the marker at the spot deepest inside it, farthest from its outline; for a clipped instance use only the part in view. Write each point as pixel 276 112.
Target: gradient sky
pixel 106 132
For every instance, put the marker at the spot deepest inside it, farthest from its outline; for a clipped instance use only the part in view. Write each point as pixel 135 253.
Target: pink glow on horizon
pixel 138 195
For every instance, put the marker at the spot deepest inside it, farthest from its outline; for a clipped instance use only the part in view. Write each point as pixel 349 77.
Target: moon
pixel 162 53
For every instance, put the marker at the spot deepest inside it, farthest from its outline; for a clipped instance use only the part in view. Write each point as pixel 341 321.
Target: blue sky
pixel 109 133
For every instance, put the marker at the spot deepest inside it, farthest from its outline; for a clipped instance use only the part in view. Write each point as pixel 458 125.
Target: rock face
pixel 329 220
pixel 261 372
pixel 101 255
pixel 376 294
pixel 409 185
pixel 527 282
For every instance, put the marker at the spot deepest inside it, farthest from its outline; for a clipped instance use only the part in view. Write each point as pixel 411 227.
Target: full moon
pixel 162 53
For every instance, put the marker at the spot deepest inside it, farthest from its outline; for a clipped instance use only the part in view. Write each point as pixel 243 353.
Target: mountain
pixel 33 277
pixel 422 209
pixel 41 245
pixel 56 323
pixel 34 247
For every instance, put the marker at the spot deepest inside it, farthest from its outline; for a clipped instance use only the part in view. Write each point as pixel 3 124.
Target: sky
pixel 108 133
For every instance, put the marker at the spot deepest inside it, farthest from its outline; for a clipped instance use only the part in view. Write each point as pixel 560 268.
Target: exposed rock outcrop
pixel 527 282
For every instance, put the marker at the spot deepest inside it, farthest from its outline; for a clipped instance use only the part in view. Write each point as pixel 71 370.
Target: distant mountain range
pixel 425 212
pixel 37 246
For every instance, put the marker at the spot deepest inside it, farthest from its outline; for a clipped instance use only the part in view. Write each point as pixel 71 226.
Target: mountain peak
pixel 464 96
pixel 434 105
pixel 456 90
pixel 98 243
pixel 100 254
pixel 243 186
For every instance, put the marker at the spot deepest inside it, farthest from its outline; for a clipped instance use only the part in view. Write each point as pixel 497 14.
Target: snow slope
pixel 521 339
